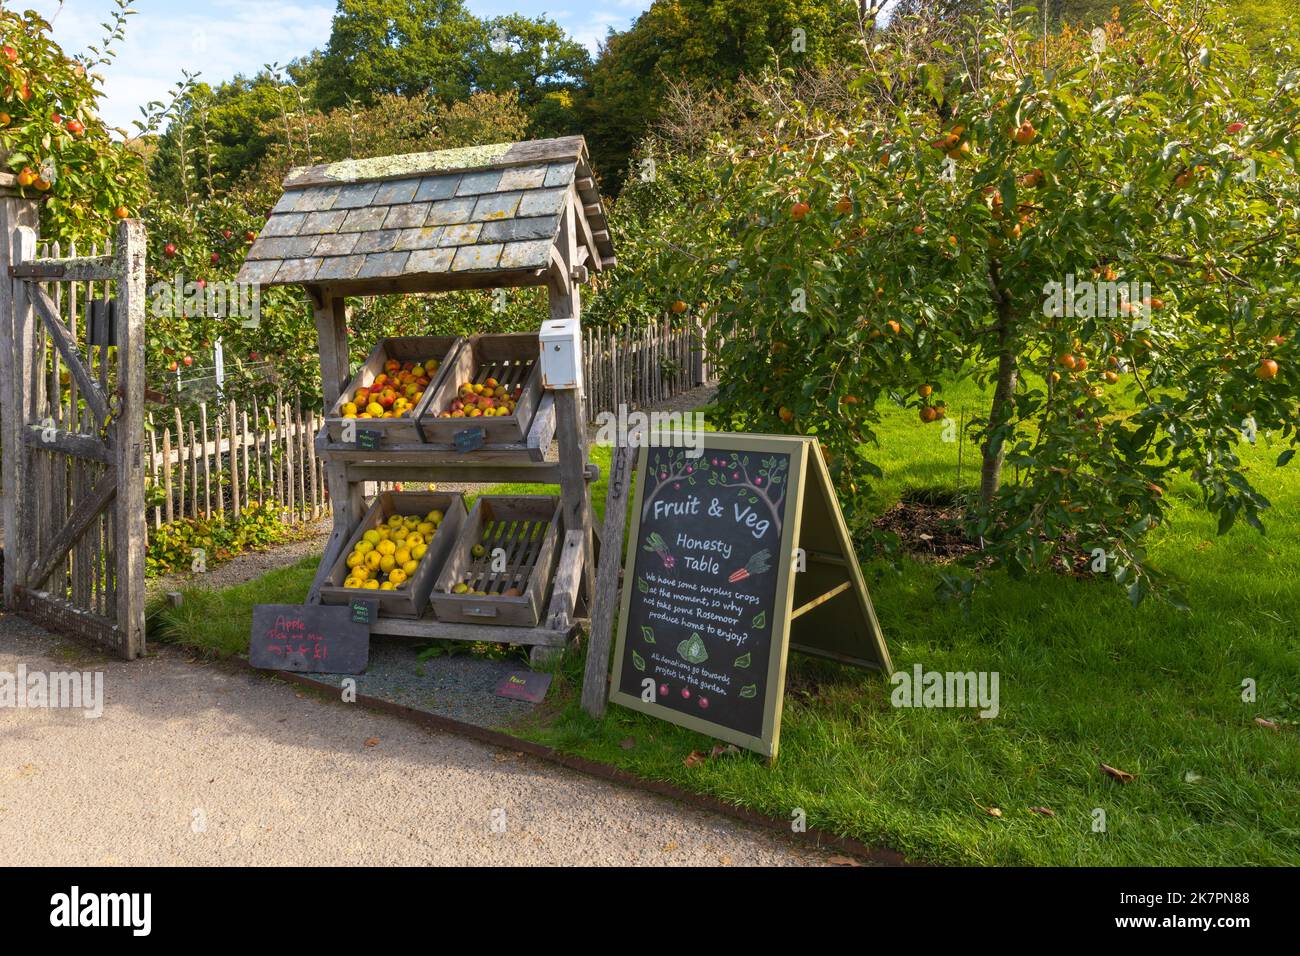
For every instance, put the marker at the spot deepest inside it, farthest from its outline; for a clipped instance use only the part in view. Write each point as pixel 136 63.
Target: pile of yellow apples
pixel 395 391
pixel 487 399
pixel 387 557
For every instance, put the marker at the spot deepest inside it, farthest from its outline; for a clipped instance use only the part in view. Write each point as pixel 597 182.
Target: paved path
pixel 279 777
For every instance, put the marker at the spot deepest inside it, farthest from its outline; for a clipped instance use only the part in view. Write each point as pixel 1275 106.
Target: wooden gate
pixel 72 356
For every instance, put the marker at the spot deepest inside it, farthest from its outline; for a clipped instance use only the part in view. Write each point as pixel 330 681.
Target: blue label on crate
pixel 469 439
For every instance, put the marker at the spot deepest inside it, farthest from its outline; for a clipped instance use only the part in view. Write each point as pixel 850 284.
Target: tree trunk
pixel 994 447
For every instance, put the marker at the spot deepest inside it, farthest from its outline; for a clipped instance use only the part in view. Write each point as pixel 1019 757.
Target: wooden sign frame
pixel 824 609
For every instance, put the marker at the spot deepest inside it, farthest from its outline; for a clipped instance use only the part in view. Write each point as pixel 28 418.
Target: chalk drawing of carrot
pixel 657 544
pixel 759 563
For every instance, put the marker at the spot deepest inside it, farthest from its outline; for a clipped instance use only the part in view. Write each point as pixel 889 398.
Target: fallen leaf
pixel 724 860
pixel 719 750
pixel 1265 722
pixel 669 846
pixel 627 743
pixel 1043 811
pixel 1192 777
pixel 372 741
pixel 694 759
pixel 1122 776
pixel 991 811
pixel 842 861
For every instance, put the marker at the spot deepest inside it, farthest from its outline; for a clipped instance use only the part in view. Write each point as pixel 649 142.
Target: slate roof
pixel 453 213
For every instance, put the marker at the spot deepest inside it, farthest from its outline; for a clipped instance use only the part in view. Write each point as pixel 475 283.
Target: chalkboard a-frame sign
pixel 712 599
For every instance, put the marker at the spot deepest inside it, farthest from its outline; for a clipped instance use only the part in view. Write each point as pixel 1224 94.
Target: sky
pixel 222 38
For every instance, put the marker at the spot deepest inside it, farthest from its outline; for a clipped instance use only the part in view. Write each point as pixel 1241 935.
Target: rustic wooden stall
pixel 502 216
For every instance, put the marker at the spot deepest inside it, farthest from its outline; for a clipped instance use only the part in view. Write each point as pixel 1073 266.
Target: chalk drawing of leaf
pixel 647 635
pixel 760 619
pixel 749 690
pixel 642 586
pixel 743 660
pixel 638 661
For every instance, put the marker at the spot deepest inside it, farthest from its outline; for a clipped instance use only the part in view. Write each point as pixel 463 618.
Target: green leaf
pixel 647 635
pixel 1285 457
pixel 742 661
pixel 638 661
pixel 760 620
pixel 748 691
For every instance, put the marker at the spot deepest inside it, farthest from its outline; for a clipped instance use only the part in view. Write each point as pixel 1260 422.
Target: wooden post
pixel 570 426
pixel 332 338
pixel 18 223
pixel 595 692
pixel 129 433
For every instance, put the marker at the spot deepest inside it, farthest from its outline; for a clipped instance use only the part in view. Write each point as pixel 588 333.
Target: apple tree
pixel 1104 228
pixel 51 135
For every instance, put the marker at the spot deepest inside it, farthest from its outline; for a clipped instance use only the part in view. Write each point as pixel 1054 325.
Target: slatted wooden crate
pixel 391 431
pixel 510 359
pixel 411 599
pixel 526 529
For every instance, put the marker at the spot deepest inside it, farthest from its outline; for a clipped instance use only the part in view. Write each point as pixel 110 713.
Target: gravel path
pixel 201 765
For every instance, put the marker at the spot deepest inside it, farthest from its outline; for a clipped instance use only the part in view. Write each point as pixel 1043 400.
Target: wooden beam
pixel 564 589
pixel 100 497
pixel 546 474
pixel 67 347
pixel 429 629
pixel 821 599
pixel 83 269
pixel 69 443
pixel 595 687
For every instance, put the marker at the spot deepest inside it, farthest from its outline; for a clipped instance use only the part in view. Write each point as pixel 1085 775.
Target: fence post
pixel 130 516
pixel 18 218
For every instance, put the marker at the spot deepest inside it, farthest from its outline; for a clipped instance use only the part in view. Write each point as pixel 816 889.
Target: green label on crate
pixel 363 612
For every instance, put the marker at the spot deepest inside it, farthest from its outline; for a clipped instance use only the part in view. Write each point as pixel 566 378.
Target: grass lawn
pixel 1084 679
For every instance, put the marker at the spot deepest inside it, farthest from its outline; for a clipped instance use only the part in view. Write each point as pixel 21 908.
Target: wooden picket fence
pixel 643 366
pixel 234 458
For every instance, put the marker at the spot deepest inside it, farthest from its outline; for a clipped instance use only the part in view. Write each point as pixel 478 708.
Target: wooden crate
pixel 527 528
pixel 392 431
pixel 412 599
pixel 510 359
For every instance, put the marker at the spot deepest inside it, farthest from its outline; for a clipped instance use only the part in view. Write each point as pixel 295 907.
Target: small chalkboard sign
pixel 312 638
pixel 368 439
pixel 471 439
pixel 735 556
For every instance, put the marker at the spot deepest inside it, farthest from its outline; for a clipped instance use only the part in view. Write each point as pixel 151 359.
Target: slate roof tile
pixel 316 200
pixel 378 265
pixel 542 202
pixel 437 187
pixel 286 224
pixel 395 193
pixel 461 235
pixel 356 195
pixel 321 222
pixel 496 206
pixel 408 216
pixel 382 241
pixel 474 184
pixel 429 261
pixel 523 177
pixel 449 211
pixel 476 258
pixel 424 238
pixel 365 220
pixel 340 268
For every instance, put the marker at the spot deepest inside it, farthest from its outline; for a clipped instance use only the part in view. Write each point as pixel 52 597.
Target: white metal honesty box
pixel 561 352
